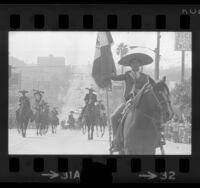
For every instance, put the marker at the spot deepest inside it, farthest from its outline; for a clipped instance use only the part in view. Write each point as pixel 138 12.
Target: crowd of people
pixel 178 131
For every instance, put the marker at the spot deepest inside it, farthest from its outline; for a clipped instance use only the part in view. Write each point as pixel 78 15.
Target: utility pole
pixel 157 57
pixel 183 65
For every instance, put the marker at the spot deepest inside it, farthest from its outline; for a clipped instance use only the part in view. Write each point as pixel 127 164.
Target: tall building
pixel 51 61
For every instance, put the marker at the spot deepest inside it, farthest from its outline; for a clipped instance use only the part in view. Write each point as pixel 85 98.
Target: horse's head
pixel 162 96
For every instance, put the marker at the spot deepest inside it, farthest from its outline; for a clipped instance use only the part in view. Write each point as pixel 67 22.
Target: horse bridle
pixel 159 104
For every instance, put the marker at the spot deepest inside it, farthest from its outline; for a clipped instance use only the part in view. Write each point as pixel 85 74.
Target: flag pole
pixel 109 124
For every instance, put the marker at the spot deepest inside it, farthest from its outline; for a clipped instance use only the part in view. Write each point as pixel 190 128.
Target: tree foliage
pixel 122 50
pixel 181 97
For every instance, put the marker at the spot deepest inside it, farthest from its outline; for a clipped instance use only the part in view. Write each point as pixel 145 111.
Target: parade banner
pixel 103 65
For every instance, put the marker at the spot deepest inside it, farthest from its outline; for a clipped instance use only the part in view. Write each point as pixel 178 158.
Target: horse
pixel 17 121
pixel 71 123
pixel 90 119
pixel 23 115
pixel 53 121
pixel 100 121
pixel 141 134
pixel 45 118
pixel 103 124
pixel 82 124
pixel 40 118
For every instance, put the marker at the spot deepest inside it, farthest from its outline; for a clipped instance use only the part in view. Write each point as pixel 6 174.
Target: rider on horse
pixel 90 100
pixel 100 107
pixel 39 102
pixel 134 82
pixel 24 100
pixel 55 113
pixel 100 110
pixel 71 120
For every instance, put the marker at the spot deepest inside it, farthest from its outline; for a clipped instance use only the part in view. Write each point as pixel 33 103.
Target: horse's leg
pixel 97 130
pixel 47 127
pixel 22 130
pixel 21 125
pixel 103 130
pixel 26 125
pixel 52 128
pixel 18 127
pixel 88 132
pixel 36 125
pixel 40 129
pixel 92 131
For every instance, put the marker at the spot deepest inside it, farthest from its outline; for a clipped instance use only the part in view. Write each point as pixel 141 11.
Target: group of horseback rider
pixel 92 103
pixel 71 120
pixel 40 104
pixel 134 80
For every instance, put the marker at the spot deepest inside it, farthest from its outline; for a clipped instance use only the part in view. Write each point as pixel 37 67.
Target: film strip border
pixel 109 168
pixel 64 18
pixel 98 17
pixel 88 22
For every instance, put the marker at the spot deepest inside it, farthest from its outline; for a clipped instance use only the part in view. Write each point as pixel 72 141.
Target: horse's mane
pixel 161 85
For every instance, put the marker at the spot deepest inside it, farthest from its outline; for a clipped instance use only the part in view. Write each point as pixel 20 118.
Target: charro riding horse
pixel 23 115
pixel 53 121
pixel 100 121
pixel 81 124
pixel 45 118
pixel 39 117
pixel 142 123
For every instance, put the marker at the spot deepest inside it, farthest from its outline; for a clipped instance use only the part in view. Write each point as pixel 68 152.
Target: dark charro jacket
pixel 90 98
pixel 71 119
pixel 130 82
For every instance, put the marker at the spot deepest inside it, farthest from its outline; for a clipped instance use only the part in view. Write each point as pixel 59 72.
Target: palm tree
pixel 121 51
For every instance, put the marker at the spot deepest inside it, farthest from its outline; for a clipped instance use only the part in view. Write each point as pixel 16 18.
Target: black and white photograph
pixel 100 93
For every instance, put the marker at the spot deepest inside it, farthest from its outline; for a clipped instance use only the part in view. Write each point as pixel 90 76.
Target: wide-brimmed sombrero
pixel 143 59
pixel 90 89
pixel 37 92
pixel 23 91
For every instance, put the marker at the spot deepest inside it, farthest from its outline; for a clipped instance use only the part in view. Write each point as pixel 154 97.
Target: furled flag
pixel 103 65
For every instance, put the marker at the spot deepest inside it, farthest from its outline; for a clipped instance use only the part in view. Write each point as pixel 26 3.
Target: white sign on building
pixel 183 41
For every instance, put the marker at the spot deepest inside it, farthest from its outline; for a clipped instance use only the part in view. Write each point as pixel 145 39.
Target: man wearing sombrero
pixel 38 99
pixel 71 120
pixel 90 99
pixel 24 97
pixel 100 107
pixel 134 81
pixel 24 100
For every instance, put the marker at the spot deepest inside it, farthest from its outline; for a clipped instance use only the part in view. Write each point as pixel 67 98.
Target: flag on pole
pixel 103 65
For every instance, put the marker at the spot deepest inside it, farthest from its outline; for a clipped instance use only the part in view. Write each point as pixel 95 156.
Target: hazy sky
pixel 79 47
